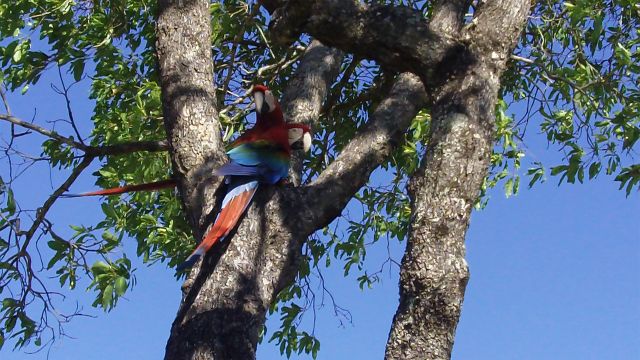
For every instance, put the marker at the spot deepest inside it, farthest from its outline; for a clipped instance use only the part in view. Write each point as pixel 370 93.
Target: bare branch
pixel 93 151
pixel 42 211
pixel 65 92
pixel 128 147
pixel 46 132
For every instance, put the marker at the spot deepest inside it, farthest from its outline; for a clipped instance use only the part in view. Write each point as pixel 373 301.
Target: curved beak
pixel 306 142
pixel 261 106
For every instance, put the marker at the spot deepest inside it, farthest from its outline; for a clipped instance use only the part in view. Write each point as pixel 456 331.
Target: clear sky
pixel 555 274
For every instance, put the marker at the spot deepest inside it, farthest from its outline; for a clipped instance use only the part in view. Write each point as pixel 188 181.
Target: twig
pixel 65 92
pixel 93 151
pixel 42 211
pixel 49 133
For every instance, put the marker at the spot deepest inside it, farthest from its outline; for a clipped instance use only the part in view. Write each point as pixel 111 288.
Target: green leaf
pixel 508 188
pixel 121 286
pixel 107 297
pixel 11 202
pixel 100 267
pixel 18 53
pixel 77 67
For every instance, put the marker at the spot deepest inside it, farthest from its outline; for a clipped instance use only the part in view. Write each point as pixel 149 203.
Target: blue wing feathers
pixel 234 168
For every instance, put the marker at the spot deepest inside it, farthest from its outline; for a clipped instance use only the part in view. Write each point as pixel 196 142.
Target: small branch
pixel 92 151
pixel 521 59
pixel 5 102
pixel 42 211
pixel 46 132
pixel 65 92
pixel 128 147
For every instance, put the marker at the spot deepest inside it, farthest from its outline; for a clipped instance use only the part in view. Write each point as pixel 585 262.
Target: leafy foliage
pixel 577 71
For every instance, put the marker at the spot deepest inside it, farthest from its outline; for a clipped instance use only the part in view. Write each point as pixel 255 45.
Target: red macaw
pixel 259 155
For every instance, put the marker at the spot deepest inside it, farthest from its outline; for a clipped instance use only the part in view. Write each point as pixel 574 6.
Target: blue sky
pixel 554 274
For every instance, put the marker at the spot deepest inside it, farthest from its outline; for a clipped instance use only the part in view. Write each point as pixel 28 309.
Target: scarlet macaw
pixel 259 155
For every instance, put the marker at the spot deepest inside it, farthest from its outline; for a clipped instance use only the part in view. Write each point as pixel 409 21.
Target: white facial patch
pixel 297 134
pixel 271 101
pixel 258 99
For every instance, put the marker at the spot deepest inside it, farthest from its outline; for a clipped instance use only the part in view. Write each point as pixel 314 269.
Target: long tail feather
pixel 127 188
pixel 234 204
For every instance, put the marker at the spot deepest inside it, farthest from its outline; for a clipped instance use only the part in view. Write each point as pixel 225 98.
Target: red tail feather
pixel 128 188
pixel 227 219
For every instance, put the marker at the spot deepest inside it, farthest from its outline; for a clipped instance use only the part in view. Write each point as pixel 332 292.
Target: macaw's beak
pixel 299 139
pixel 262 107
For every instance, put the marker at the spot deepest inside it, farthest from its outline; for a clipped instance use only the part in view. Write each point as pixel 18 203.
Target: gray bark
pixel 397 37
pixel 188 97
pixel 434 272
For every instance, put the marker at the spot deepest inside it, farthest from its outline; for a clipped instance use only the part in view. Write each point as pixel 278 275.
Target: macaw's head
pixel 299 137
pixel 266 103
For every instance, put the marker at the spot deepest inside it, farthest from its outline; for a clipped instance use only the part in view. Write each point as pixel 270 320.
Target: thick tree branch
pixel 398 38
pixel 434 272
pixel 448 16
pixel 306 91
pixel 335 186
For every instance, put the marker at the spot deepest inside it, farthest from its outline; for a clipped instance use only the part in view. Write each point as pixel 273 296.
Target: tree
pixel 418 88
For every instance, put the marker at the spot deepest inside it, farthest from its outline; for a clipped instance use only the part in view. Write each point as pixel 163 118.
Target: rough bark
pixel 398 38
pixel 434 272
pixel 188 96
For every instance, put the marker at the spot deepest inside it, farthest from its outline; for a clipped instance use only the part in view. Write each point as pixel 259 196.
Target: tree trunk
pixel 226 297
pixel 188 96
pixel 434 272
